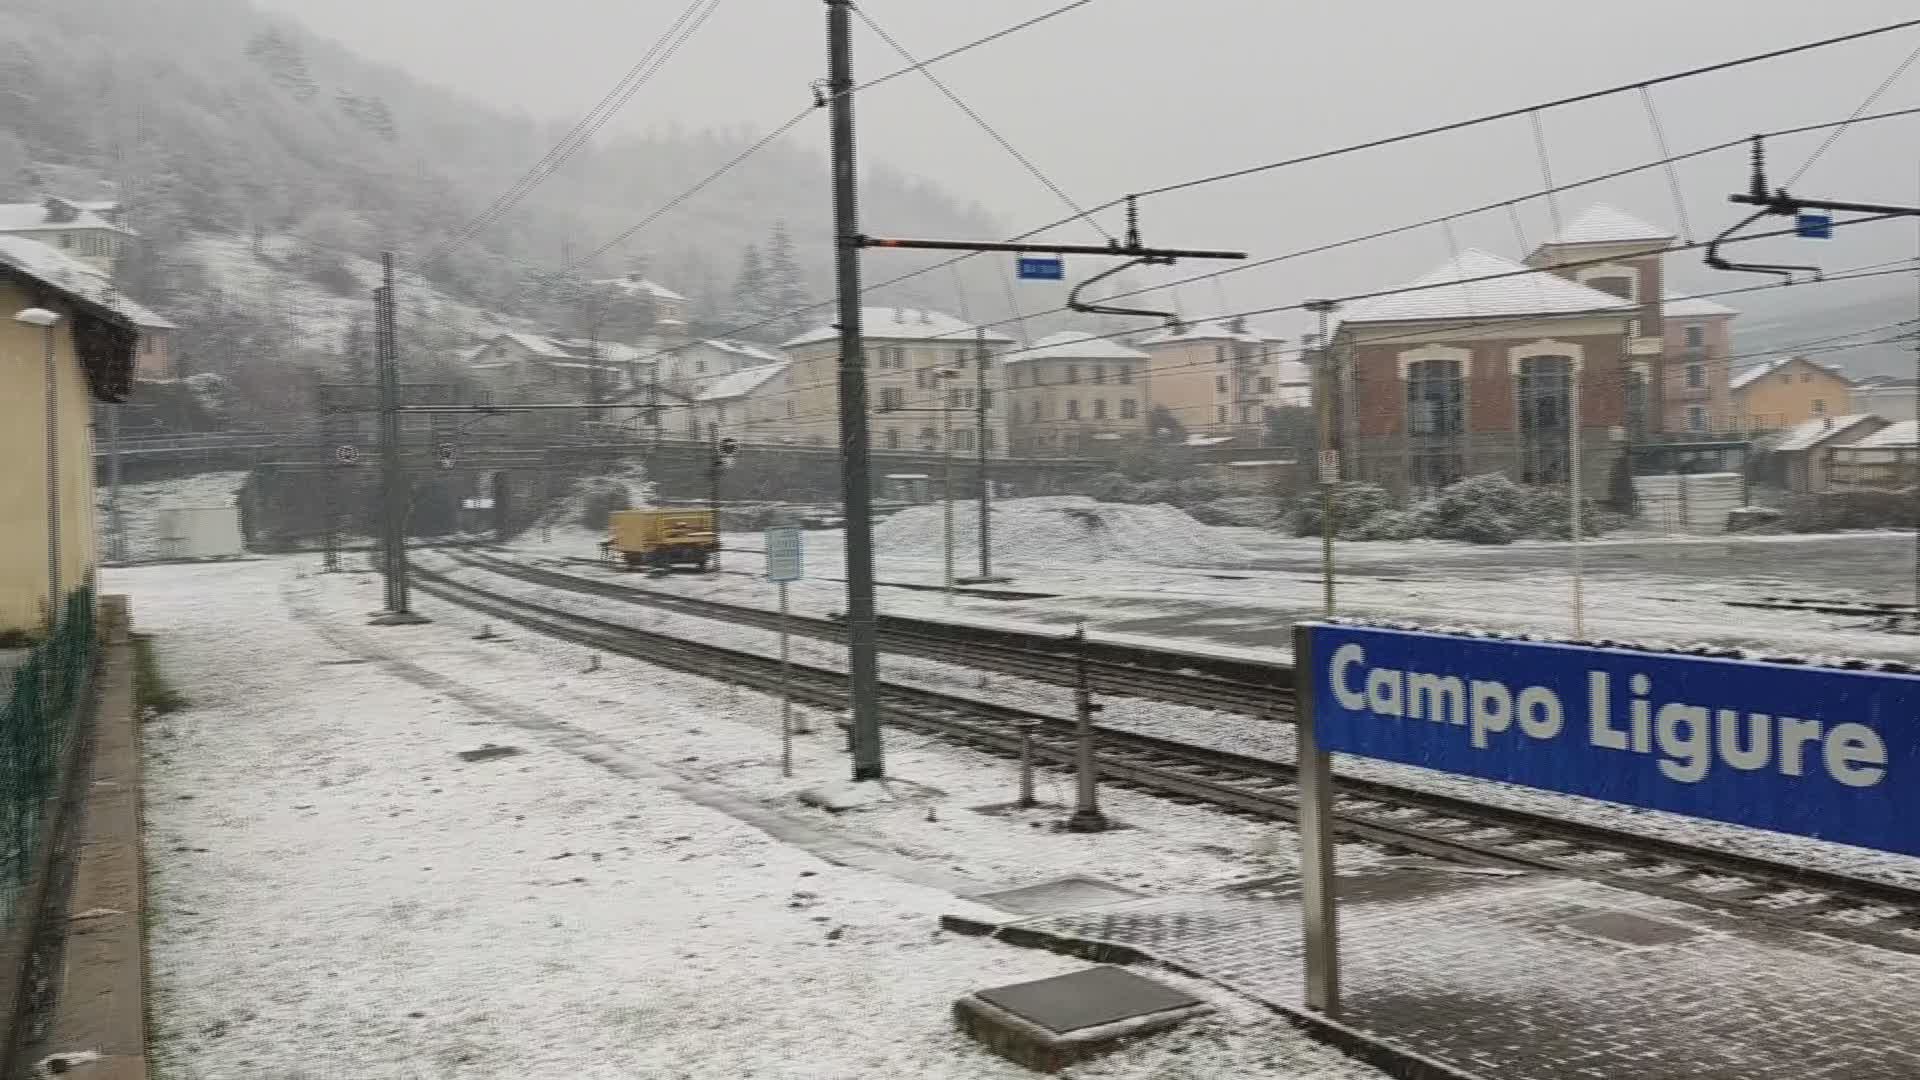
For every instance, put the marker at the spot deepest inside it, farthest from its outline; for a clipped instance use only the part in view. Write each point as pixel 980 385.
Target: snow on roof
pixel 33 217
pixel 1819 429
pixel 1208 440
pixel 70 275
pixel 633 285
pixel 1603 224
pixel 537 345
pixel 1452 291
pixel 1904 433
pixel 1076 345
pixel 1203 330
pixel 902 324
pixel 1692 307
pixel 145 317
pixel 742 383
pixel 1750 375
pixel 741 348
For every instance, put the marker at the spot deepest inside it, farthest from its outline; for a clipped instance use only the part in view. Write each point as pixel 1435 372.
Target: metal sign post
pixel 1321 943
pixel 786 563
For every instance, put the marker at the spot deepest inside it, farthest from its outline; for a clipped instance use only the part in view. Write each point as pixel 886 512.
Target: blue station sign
pixel 1042 268
pixel 1818 752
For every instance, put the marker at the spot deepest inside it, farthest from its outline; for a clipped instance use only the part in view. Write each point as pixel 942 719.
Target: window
pixel 1266 384
pixel 1696 337
pixel 1219 384
pixel 893 358
pixel 699 367
pixel 1819 406
pixel 920 378
pixel 1220 414
pixel 1073 374
pixel 1099 408
pixel 146 344
pixel 1696 418
pixel 1246 414
pixel 1129 409
pixel 66 240
pixel 966 399
pixel 1806 376
pixel 988 441
pixel 1696 376
pixel 1073 408
pixel 963 440
pixel 1219 354
pixel 1126 374
pixel 1099 374
pixel 1545 395
pixel 891 398
pixel 1013 379
pixel 789 410
pixel 986 399
pixel 1039 375
pixel 893 438
pixel 929 439
pixel 1787 378
pixel 1613 286
pixel 953 397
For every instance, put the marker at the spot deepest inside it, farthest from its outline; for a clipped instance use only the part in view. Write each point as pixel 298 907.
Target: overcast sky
pixel 1124 94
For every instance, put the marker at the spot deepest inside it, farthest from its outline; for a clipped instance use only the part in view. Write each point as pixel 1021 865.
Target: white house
pixel 86 231
pixel 529 367
pixel 753 405
pixel 697 365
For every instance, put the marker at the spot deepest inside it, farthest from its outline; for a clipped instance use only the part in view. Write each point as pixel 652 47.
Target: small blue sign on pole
pixel 1814 226
pixel 785 557
pixel 1042 268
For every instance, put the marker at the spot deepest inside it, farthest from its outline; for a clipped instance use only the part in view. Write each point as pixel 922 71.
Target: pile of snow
pixel 1065 528
pixel 140 506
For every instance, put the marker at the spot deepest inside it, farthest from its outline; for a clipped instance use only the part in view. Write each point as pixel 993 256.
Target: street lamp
pixel 46 320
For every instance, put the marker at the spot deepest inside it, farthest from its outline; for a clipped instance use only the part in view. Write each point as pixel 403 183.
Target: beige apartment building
pixel 907 353
pixel 1696 384
pixel 1218 379
pixel 1075 393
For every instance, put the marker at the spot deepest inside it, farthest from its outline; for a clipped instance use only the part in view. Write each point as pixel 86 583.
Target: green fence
pixel 36 723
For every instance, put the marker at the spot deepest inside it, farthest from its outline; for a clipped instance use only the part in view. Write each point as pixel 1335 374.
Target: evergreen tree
pixel 786 285
pixel 284 63
pixel 750 300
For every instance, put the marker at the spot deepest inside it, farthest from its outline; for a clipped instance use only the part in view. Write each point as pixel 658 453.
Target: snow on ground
pixel 335 892
pixel 1066 526
pixel 140 506
pixel 1220 730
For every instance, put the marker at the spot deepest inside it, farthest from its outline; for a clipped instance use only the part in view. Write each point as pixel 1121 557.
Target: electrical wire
pixel 615 99
pixel 1024 161
pixel 1834 135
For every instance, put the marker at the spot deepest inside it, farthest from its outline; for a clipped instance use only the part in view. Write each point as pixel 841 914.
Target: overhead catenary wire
pixel 636 77
pixel 1833 136
pixel 973 115
pixel 1673 175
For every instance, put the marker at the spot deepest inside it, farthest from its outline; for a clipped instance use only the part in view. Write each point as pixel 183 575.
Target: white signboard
pixel 1329 466
pixel 785 559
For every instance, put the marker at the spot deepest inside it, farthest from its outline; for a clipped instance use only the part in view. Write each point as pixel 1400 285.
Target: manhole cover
pixel 1630 929
pixel 1052 897
pixel 1090 998
pixel 489 752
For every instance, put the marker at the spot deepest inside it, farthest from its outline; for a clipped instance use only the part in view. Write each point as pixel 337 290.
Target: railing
pixel 37 722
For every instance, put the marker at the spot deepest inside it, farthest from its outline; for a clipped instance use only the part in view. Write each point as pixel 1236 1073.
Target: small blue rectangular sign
pixel 1042 268
pixel 785 561
pixel 1814 226
pixel 1817 752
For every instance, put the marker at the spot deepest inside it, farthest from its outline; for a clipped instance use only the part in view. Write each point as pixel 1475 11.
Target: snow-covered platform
pixel 1538 977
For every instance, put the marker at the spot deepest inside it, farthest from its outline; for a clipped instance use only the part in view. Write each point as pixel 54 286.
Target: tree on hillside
pixel 786 286
pixel 750 301
pixel 285 64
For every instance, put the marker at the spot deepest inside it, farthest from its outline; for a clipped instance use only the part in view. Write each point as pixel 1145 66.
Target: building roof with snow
pixel 1753 373
pixel 1692 307
pixel 1604 224
pixel 743 382
pixel 635 285
pixel 745 350
pixel 1812 433
pixel 104 322
pixel 1075 345
pixel 1183 331
pixel 1899 435
pixel 903 324
pixel 1479 284
pixel 54 214
pixel 573 350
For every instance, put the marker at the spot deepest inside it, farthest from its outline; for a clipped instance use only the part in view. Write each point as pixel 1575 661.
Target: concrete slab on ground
pixel 1048 1024
pixel 1540 977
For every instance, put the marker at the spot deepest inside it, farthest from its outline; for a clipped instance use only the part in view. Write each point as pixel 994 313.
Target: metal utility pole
pixel 714 467
pixel 1086 814
pixel 393 529
pixel 1329 463
pixel 946 497
pixel 863 659
pixel 980 445
pixel 1573 493
pixel 116 523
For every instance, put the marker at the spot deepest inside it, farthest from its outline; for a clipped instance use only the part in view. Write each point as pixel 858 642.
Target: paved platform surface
pixel 1537 977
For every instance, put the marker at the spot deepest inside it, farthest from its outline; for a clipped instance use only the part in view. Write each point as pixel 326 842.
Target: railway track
pixel 1395 818
pixel 1259 690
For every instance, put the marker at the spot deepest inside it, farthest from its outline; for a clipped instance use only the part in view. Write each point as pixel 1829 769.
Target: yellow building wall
pixel 23 488
pixel 1781 399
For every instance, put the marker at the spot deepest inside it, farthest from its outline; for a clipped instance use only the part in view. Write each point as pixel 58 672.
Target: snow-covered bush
pixel 1486 509
pixel 1354 505
pixel 599 499
pixel 1247 511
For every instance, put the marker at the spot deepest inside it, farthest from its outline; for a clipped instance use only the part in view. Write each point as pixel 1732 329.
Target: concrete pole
pixel 1573 493
pixel 1086 814
pixel 946 510
pixel 980 446
pixel 392 474
pixel 863 654
pixel 1329 470
pixel 54 593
